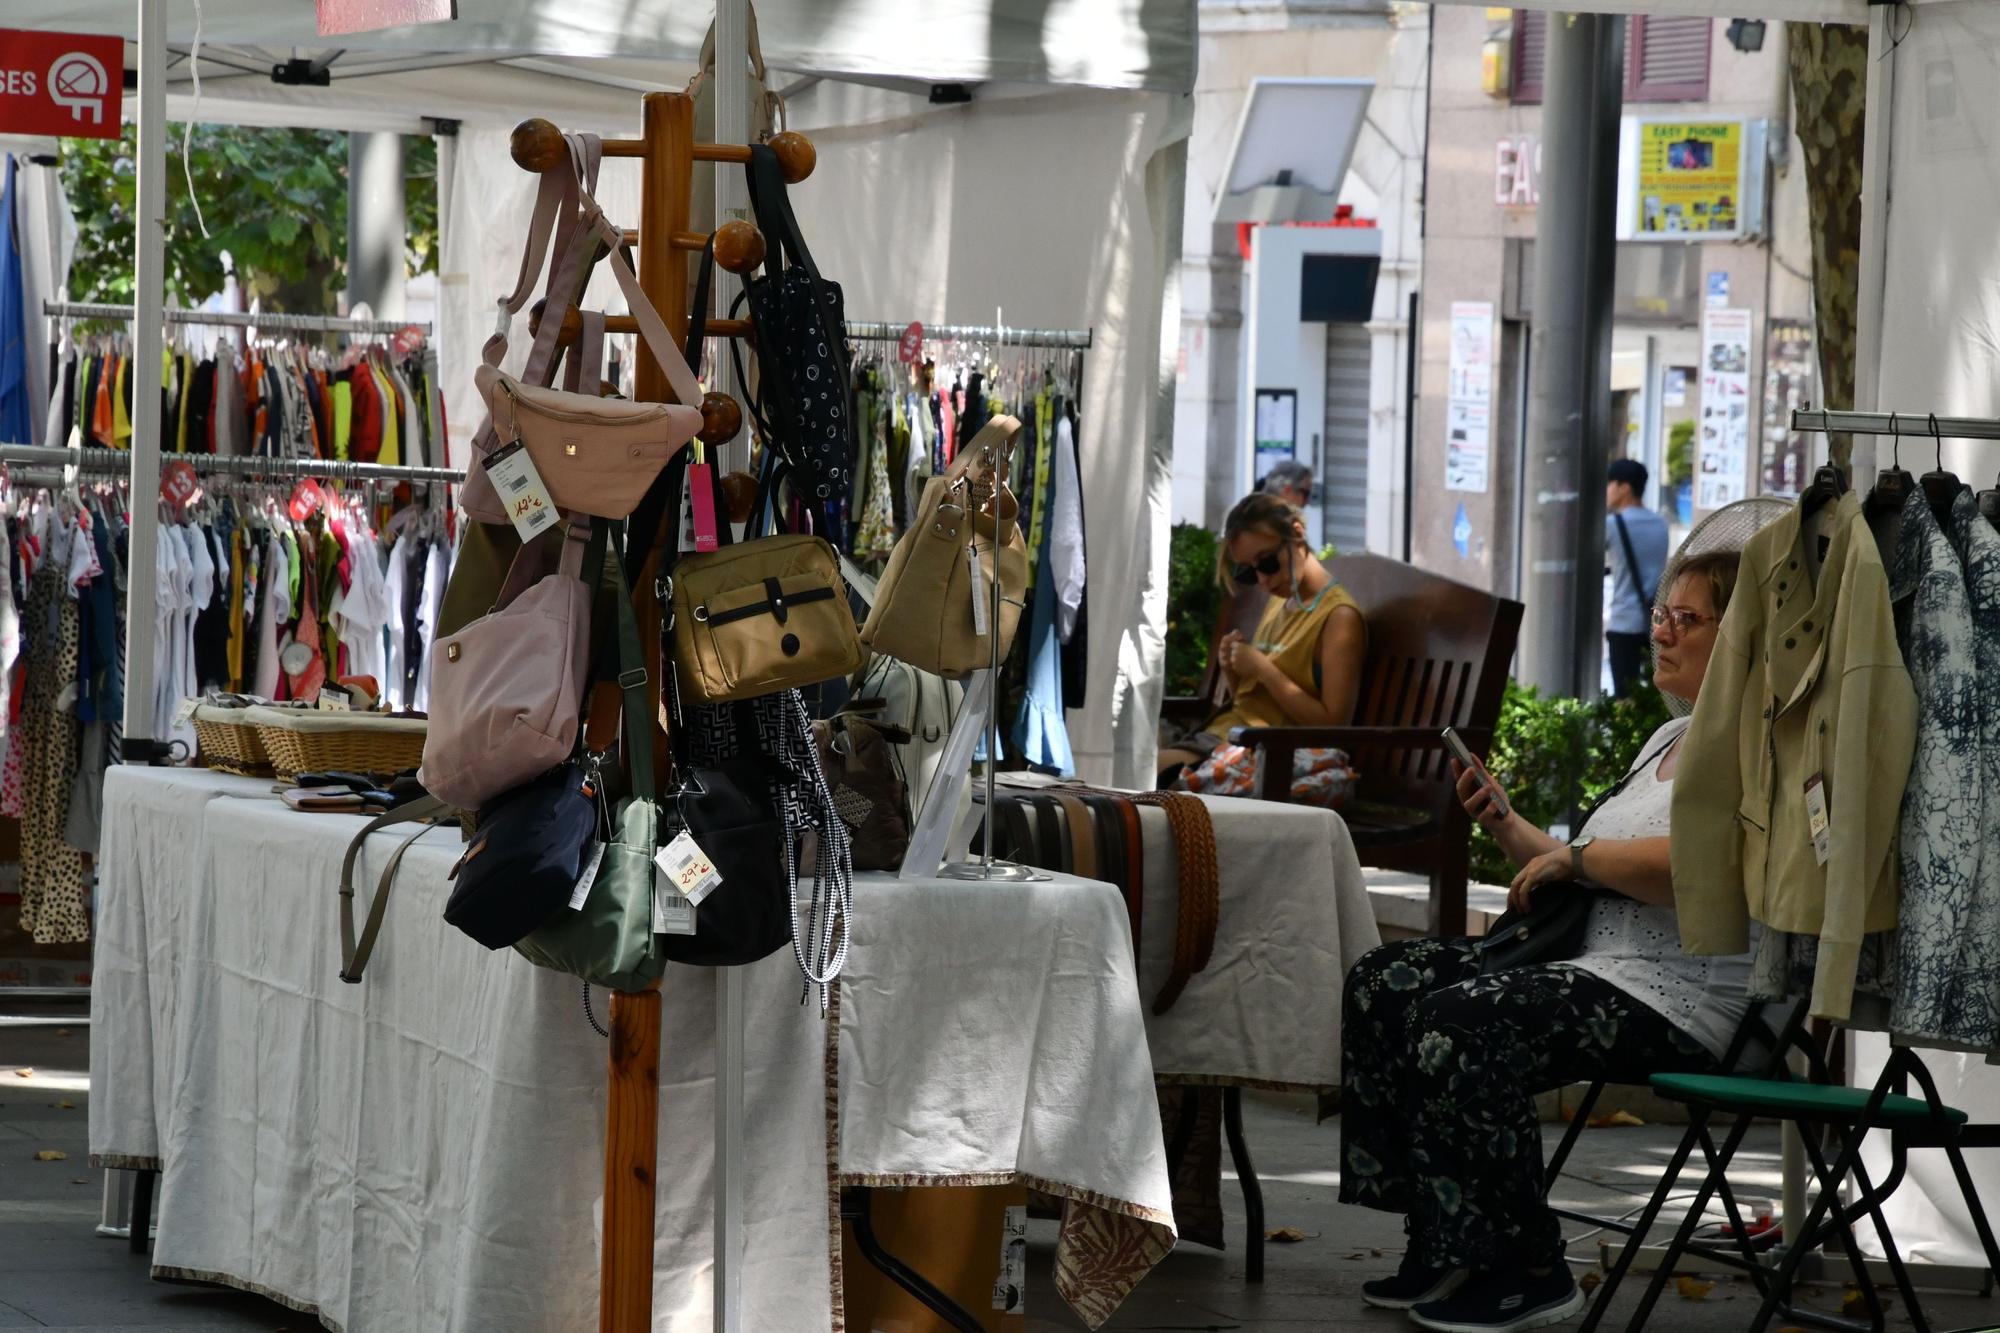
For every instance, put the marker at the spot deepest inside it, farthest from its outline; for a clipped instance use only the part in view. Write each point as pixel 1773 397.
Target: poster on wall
pixel 1468 413
pixel 1791 375
pixel 1690 178
pixel 1277 436
pixel 1723 443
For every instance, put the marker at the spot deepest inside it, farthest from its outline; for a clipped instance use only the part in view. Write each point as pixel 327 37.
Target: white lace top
pixel 1637 947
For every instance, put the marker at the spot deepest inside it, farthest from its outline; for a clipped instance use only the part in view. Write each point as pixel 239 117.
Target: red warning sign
pixel 61 83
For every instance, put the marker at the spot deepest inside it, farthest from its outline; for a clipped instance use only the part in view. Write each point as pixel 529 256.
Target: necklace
pixel 1304 608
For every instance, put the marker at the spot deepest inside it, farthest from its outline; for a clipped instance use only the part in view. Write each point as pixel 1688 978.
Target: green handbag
pixel 609 941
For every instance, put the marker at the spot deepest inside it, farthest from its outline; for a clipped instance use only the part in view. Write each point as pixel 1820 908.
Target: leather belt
pixel 1082 836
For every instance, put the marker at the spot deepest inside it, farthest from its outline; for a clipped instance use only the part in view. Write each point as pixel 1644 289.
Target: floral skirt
pixel 1439 1071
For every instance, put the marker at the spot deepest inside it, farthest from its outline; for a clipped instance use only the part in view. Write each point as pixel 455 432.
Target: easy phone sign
pixel 61 83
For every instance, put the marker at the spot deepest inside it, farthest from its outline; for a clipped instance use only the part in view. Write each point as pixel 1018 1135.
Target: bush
pixel 1680 453
pixel 1554 756
pixel 1193 599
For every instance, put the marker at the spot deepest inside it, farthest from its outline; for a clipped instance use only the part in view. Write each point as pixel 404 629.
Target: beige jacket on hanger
pixel 1806 683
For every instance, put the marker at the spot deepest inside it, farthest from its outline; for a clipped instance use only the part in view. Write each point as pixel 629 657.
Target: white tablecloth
pixel 423 1151
pixel 1293 917
pixel 992 1034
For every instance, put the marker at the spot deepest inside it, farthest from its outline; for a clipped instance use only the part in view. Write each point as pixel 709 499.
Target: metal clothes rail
pixel 1908 424
pixel 100 461
pixel 278 323
pixel 998 335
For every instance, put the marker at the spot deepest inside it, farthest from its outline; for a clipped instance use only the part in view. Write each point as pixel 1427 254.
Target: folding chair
pixel 1816 1107
pixel 1755 1029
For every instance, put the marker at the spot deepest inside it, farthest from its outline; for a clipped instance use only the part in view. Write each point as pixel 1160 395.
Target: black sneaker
pixel 1504 1302
pixel 1413 1284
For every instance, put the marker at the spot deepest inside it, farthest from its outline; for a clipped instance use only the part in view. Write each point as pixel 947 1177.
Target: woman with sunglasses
pixel 1302 667
pixel 1440 1066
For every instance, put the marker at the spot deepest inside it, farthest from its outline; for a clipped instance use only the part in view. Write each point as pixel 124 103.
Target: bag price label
pixel 184 711
pixel 701 503
pixel 334 699
pixel 910 347
pixel 672 914
pixel 580 894
pixel 1816 818
pixel 688 868
pixel 521 489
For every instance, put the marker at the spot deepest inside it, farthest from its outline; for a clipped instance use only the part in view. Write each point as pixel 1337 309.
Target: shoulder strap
pixel 633 682
pixel 1632 563
pixel 427 810
pixel 1643 766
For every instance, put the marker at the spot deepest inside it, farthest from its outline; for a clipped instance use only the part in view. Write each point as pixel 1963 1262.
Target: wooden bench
pixel 1438 655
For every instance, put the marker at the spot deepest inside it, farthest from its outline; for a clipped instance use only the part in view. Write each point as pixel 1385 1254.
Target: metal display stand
pixel 97 461
pixel 269 322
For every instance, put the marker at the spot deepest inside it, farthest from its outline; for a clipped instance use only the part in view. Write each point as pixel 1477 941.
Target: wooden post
pixel 631 1154
pixel 668 132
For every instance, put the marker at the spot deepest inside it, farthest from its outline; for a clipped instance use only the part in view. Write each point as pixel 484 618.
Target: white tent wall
pixel 944 215
pixel 1938 286
pixel 1097 43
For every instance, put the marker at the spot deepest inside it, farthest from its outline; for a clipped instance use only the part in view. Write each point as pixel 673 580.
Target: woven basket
pixel 229 742
pixel 309 741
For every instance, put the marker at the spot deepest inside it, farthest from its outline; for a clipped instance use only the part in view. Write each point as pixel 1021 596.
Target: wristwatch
pixel 1576 855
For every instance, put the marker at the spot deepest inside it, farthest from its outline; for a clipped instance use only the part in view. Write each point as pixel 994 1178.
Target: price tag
pixel 529 507
pixel 178 483
pixel 701 498
pixel 910 347
pixel 686 540
pixel 580 894
pixel 672 914
pixel 185 712
pixel 307 498
pixel 333 699
pixel 408 339
pixel 688 868
pixel 978 590
pixel 1816 817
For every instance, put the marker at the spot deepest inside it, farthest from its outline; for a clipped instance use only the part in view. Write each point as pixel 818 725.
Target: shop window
pixel 1666 58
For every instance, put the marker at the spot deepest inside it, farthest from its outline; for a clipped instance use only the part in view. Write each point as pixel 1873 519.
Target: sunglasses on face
pixel 1265 566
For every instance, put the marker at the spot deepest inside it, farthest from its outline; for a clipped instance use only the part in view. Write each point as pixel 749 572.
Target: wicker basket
pixel 309 741
pixel 229 741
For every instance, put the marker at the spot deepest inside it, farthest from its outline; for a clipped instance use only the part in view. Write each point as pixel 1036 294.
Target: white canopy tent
pixel 891 165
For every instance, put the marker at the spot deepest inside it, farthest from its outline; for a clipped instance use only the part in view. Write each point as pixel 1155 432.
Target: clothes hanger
pixel 1893 484
pixel 1828 483
pixel 1941 488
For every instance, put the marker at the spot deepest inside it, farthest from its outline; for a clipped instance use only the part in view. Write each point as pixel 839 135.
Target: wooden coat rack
pixel 668 152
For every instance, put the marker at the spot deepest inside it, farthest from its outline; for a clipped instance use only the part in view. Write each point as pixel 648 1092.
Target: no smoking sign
pixel 61 83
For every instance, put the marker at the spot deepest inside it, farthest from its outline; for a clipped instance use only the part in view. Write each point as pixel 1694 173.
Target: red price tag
pixel 306 497
pixel 910 348
pixel 178 483
pixel 408 339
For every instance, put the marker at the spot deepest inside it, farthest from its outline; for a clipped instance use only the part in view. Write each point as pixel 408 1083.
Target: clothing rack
pixel 1921 424
pixel 997 334
pixel 100 460
pixel 68 310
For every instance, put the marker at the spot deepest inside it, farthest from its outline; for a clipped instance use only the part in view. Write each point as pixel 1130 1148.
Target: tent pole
pixel 732 126
pixel 149 268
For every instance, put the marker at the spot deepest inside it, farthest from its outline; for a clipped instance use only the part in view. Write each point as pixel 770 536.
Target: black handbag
pixel 1551 930
pixel 799 330
pixel 531 849
pixel 731 812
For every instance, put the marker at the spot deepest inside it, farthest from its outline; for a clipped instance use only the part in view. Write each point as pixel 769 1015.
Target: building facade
pixel 1713 306
pixel 1296 338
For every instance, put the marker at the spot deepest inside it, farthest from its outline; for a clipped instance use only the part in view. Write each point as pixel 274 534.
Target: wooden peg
pixel 536 145
pixel 739 492
pixel 721 418
pixel 796 155
pixel 573 325
pixel 739 246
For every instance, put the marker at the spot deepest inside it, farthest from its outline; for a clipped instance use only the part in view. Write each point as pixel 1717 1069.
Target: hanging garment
pixel 1806 683
pixel 1041 735
pixel 275 603
pixel 53 879
pixel 16 411
pixel 1066 565
pixel 875 533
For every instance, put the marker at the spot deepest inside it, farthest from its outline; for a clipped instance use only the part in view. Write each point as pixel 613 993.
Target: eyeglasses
pixel 1681 620
pixel 1266 565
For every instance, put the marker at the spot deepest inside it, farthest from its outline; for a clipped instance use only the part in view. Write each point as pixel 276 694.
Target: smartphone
pixel 1463 753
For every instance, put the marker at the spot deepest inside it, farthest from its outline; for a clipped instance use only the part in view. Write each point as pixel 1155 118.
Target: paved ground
pixel 56 1274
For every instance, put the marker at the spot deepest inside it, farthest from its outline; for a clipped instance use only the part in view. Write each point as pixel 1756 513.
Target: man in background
pixel 1291 481
pixel 1635 543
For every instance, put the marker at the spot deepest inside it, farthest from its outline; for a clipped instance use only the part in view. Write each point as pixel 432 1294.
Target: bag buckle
pixel 633 679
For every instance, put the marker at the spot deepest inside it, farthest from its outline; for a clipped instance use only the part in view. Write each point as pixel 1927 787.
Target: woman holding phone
pixel 1441 1066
